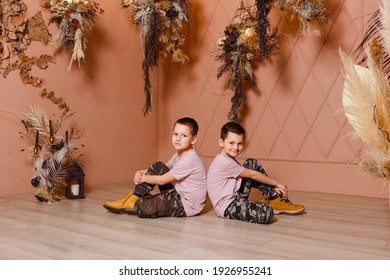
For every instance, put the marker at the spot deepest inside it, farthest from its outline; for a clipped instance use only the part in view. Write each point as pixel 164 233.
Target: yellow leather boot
pixel 284 206
pixel 128 206
pixel 115 206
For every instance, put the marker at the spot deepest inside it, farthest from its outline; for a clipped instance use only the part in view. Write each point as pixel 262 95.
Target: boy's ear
pixel 220 142
pixel 194 138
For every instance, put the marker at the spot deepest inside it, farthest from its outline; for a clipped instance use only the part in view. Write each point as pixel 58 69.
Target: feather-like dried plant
pixel 378 27
pixel 161 24
pixel 385 12
pixel 366 101
pixel 366 95
pixel 52 154
pixel 75 19
pixel 365 98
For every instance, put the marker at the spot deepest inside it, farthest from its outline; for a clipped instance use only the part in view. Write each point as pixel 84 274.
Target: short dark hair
pixel 233 127
pixel 191 123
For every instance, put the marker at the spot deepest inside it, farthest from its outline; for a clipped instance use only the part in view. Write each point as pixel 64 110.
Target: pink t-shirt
pixel 223 182
pixel 190 183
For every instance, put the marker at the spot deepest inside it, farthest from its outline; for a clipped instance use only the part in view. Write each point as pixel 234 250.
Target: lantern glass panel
pixel 75 182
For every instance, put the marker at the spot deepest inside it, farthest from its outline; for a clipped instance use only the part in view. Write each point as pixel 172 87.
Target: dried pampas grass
pixel 378 170
pixel 366 101
pixel 78 49
pixel 385 12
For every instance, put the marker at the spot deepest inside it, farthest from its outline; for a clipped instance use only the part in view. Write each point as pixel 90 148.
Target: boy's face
pixel 182 138
pixel 232 145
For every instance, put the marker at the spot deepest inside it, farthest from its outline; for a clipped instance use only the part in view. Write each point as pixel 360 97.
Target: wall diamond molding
pixel 297 115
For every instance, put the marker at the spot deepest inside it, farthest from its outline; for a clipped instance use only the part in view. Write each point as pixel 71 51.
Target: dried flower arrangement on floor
pixel 366 95
pixel 75 19
pixel 53 154
pixel 16 34
pixel 161 26
pixel 249 39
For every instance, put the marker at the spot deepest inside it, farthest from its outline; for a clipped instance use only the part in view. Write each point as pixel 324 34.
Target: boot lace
pixel 286 201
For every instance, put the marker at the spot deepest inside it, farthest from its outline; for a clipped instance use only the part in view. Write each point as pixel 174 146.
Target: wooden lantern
pixel 75 182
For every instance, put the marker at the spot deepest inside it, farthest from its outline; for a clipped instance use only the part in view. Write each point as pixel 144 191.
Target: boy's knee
pixel 266 213
pixel 157 168
pixel 250 162
pixel 157 165
pixel 269 214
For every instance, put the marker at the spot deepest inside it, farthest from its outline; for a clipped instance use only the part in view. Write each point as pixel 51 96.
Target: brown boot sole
pixel 129 211
pixel 114 210
pixel 288 212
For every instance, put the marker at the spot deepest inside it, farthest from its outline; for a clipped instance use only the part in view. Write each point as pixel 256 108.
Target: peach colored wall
pixel 295 125
pixel 118 138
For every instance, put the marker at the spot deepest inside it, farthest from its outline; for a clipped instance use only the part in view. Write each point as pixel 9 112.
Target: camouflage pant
pixel 251 211
pixel 163 204
pixel 167 203
pixel 247 184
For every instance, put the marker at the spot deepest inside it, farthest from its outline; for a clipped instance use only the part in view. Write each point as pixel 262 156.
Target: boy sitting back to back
pixel 229 183
pixel 181 181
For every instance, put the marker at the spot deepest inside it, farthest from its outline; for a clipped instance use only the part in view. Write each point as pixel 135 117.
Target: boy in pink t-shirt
pixel 229 183
pixel 181 181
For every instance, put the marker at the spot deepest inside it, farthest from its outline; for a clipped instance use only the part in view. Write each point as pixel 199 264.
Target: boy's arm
pixel 158 179
pixel 280 188
pixel 138 176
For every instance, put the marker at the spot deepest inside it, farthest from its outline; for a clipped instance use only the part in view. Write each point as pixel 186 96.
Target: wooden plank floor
pixel 333 227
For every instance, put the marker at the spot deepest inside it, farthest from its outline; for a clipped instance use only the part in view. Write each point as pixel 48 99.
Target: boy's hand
pixel 281 189
pixel 138 177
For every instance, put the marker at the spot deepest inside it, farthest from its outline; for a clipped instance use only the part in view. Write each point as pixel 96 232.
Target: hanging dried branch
pixel 250 38
pixel 151 57
pixel 237 49
pixel 267 36
pixel 160 25
pixel 16 35
pixel 237 100
pixel 56 100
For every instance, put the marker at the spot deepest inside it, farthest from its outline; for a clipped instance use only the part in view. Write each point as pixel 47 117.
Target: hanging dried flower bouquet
pixel 52 154
pixel 249 37
pixel 75 19
pixel 306 11
pixel 161 25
